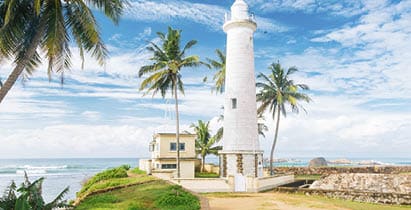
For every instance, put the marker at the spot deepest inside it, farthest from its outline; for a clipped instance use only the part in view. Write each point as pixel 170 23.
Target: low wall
pixel 378 183
pixel 268 183
pixel 343 169
pixel 203 185
pixel 166 175
pixel 370 197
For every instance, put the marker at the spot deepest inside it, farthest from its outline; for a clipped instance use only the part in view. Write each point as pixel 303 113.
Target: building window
pixel 173 146
pixel 152 146
pixel 168 166
pixel 234 103
pixel 182 146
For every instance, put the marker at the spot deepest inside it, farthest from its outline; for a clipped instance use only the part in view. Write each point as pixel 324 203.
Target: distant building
pixel 163 149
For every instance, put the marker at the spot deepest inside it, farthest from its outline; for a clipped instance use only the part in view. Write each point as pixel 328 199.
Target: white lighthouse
pixel 241 155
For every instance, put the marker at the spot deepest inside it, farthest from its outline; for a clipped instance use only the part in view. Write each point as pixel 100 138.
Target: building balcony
pixel 251 18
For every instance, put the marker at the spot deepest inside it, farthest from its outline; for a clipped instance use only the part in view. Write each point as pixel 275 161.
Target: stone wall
pixel 376 188
pixel 378 183
pixel 338 170
pixel 370 197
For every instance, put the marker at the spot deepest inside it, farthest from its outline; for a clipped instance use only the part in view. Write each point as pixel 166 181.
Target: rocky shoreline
pixel 342 169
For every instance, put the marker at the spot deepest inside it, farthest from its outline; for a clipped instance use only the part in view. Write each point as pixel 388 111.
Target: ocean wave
pixel 30 167
pixel 30 172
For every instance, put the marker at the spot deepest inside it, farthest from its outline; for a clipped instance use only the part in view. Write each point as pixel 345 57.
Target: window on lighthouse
pixel 234 103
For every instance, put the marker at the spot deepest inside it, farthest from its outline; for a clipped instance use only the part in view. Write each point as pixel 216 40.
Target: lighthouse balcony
pixel 227 18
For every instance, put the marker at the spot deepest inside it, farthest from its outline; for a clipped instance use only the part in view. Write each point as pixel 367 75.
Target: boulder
pixel 318 162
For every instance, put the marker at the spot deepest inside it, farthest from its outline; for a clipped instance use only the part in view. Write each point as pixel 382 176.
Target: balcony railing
pixel 251 17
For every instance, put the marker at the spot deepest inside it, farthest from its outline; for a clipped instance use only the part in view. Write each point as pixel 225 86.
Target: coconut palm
pixel 164 74
pixel 205 142
pixel 30 197
pixel 30 28
pixel 275 91
pixel 219 76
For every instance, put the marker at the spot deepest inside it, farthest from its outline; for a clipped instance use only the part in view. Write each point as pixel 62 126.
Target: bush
pixel 119 172
pixel 177 197
pixel 136 206
pixel 29 196
pixel 137 171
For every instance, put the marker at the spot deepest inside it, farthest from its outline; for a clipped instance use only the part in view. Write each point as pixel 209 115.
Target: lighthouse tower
pixel 241 154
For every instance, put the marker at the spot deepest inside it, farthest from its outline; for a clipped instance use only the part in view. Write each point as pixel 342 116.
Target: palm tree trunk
pixel 202 163
pixel 31 50
pixel 177 128
pixel 275 141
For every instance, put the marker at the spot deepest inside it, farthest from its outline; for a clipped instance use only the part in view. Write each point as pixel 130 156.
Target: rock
pixel 340 161
pixel 369 162
pixel 318 162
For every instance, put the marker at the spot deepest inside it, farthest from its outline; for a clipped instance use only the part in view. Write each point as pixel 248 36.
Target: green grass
pixel 206 175
pixel 148 193
pixel 154 195
pixel 137 171
pixel 308 177
pixel 119 172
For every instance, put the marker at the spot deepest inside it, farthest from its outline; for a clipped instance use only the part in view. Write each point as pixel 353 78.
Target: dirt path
pixel 264 201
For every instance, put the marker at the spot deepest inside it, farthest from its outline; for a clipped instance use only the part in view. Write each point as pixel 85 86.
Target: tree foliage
pixel 164 73
pixel 31 28
pixel 29 197
pixel 205 142
pixel 276 90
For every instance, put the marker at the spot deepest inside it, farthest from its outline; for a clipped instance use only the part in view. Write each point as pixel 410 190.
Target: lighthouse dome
pixel 239 10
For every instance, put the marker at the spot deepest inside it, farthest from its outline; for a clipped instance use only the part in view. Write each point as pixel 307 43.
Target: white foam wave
pixel 29 172
pixel 29 167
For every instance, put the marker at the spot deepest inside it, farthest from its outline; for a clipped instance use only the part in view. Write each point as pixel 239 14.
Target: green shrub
pixel 137 171
pixel 136 206
pixel 119 172
pixel 206 175
pixel 177 198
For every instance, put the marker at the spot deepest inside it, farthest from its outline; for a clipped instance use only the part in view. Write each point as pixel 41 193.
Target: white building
pixel 241 155
pixel 163 149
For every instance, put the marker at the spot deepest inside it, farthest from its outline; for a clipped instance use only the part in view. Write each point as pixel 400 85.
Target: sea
pixel 58 173
pixel 72 172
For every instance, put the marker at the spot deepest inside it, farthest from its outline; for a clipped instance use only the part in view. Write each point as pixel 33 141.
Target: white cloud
pixel 205 14
pixel 374 51
pixel 341 8
pixel 336 127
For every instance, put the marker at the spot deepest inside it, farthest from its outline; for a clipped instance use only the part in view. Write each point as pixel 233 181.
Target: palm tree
pixel 30 197
pixel 219 76
pixel 277 90
pixel 29 28
pixel 205 142
pixel 165 72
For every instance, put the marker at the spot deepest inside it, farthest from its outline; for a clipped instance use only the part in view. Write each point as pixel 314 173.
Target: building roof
pixel 173 134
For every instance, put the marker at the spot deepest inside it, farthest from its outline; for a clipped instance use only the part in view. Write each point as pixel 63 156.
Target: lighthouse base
pixel 247 163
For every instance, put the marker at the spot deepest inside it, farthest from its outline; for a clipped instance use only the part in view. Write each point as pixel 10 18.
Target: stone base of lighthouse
pixel 247 163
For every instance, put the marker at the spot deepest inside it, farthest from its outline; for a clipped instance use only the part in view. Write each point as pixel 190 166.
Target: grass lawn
pixel 149 193
pixel 206 175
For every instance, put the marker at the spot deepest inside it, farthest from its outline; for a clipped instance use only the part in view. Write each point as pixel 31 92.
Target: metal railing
pixel 251 17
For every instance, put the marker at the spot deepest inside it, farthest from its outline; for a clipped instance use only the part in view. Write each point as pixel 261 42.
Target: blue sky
pixel 354 55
